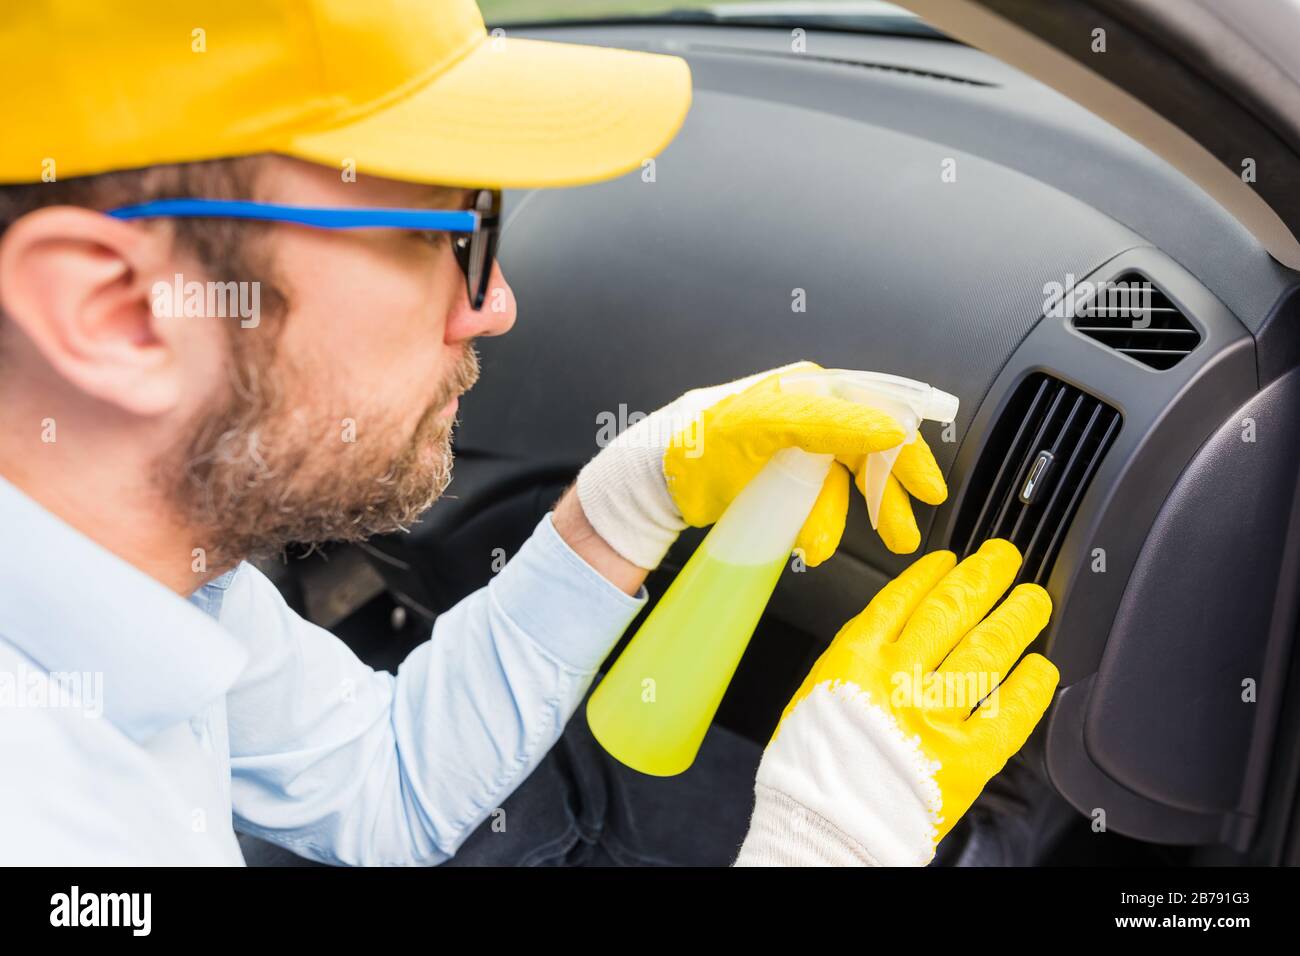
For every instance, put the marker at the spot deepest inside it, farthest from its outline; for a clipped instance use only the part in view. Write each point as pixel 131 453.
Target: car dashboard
pixel 915 207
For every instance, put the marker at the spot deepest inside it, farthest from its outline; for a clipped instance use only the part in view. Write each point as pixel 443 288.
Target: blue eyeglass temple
pixel 438 220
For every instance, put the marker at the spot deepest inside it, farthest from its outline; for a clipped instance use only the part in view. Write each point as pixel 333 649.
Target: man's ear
pixel 77 284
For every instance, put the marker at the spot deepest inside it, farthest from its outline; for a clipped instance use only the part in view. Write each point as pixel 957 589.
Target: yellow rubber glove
pixel 883 748
pixel 685 463
pixel 739 433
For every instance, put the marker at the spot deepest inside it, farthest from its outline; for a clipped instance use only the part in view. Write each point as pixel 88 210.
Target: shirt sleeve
pixel 345 764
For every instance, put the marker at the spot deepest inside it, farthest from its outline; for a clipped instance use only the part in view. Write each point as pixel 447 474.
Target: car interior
pixel 888 198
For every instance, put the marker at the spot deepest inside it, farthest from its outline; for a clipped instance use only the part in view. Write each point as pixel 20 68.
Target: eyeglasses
pixel 474 231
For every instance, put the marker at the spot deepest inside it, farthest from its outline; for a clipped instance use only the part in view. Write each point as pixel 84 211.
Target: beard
pixel 256 475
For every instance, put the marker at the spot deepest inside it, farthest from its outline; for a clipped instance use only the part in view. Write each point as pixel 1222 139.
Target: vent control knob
pixel 1034 480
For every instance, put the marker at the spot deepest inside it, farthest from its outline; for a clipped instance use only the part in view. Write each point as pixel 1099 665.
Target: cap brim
pixel 518 113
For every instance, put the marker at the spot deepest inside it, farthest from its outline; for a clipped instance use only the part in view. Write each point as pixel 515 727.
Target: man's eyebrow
pixel 447 197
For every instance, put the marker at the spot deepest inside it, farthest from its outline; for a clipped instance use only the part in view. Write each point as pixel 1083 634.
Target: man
pixel 245 253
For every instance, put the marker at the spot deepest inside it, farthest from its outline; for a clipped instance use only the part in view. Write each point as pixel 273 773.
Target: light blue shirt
pixel 137 727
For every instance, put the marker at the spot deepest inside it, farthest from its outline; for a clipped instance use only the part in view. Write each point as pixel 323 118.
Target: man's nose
pixel 495 318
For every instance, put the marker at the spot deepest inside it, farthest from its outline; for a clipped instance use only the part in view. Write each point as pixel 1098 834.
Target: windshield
pixel 874 16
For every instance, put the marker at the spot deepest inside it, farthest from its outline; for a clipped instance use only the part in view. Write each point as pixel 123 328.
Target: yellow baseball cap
pixel 407 89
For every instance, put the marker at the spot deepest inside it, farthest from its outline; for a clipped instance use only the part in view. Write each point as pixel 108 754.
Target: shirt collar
pixel 73 606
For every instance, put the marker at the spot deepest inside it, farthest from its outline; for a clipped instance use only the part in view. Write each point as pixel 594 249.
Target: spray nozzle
pixel 906 400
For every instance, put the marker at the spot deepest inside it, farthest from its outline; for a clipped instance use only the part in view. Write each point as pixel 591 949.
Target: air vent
pixel 1133 317
pixel 1034 471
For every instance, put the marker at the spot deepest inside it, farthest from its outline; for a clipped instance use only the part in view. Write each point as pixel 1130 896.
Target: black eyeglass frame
pixel 476 251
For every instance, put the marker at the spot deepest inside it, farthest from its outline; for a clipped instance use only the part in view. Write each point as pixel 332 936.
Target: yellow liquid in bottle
pixel 654 706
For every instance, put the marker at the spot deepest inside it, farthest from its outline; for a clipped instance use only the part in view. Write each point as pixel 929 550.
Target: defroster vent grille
pixel 1133 317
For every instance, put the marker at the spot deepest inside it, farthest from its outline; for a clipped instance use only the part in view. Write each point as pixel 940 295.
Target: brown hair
pixel 221 247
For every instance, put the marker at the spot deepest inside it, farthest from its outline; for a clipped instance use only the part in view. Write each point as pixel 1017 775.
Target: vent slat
pixel 1129 330
pixel 1093 464
pixel 1061 429
pixel 1035 402
pixel 1044 415
pixel 1031 553
pixel 1130 315
pixel 1066 468
pixel 999 529
pixel 1073 479
pixel 1126 311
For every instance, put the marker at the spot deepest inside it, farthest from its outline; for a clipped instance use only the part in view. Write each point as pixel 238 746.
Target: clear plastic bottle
pixel 652 709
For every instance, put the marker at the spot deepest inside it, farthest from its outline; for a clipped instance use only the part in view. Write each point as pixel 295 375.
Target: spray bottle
pixel 654 706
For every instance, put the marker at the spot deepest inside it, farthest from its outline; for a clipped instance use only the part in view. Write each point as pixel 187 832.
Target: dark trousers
pixel 581 807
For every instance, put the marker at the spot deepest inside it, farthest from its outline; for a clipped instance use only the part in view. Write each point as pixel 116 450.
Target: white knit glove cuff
pixel 843 760
pixel 625 496
pixel 785 833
